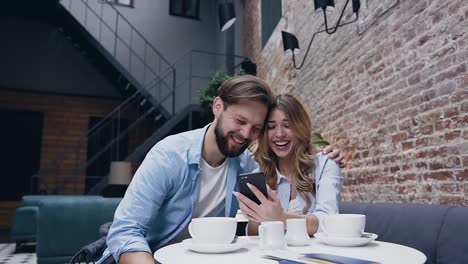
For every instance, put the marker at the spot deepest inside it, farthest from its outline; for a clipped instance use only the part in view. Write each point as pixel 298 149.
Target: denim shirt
pixel 328 181
pixel 160 199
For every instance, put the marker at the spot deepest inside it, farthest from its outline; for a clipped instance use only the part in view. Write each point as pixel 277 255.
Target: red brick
pixel 422 40
pixel 427 130
pixel 438 175
pixel 404 189
pixel 453 111
pixel 465 161
pixel 60 151
pixel 422 142
pixel 451 135
pixel 365 154
pixel 452 73
pixel 441 125
pixel 394 169
pixel 362 90
pixel 407 145
pixel 452 200
pixel 462 175
pixel 421 165
pixel 385 180
pixel 407 177
pixel 450 188
pixel 435 165
pixel 399 137
pixel 406 167
pixel 427 187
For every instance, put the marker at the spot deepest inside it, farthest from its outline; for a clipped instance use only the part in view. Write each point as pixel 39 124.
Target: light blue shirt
pixel 328 181
pixel 160 199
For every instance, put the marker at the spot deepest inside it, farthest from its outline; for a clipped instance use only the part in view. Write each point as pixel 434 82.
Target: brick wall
pixel 65 122
pixel 391 90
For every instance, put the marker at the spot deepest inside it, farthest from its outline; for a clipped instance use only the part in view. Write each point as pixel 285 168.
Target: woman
pixel 303 184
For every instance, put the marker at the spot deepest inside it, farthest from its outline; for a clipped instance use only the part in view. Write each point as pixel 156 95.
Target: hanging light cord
pixel 328 30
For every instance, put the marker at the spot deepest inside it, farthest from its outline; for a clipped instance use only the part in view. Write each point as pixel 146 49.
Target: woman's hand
pixel 334 154
pixel 269 208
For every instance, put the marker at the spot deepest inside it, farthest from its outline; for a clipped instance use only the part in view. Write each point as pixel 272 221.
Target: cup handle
pixel 261 235
pixel 190 230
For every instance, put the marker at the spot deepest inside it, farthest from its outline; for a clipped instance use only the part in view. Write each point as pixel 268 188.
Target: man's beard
pixel 222 142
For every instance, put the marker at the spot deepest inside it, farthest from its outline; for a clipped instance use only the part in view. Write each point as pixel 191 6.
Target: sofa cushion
pixel 453 239
pixel 414 225
pixel 68 223
pixel 34 200
pixel 24 224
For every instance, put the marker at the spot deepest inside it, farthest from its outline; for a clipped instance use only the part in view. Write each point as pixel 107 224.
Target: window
pixel 271 15
pixel 127 3
pixel 185 8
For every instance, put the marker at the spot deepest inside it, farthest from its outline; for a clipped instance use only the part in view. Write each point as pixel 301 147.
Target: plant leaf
pixel 318 135
pixel 321 143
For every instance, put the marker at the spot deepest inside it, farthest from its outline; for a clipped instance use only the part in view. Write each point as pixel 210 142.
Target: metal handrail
pixel 128 22
pixel 184 81
pixel 116 35
pixel 158 81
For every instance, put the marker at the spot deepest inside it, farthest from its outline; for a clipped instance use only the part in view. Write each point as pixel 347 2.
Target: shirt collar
pixel 280 178
pixel 196 146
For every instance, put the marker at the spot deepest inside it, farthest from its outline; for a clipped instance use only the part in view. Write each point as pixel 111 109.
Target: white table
pixel 378 251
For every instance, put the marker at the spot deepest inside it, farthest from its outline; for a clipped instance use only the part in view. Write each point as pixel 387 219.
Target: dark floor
pixel 5 235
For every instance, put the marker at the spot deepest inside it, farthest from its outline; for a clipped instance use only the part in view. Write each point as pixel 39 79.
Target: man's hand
pixel 136 258
pixel 334 154
pixel 269 208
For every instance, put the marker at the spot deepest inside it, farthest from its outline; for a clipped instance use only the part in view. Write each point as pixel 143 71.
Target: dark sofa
pixel 65 225
pixel 61 224
pixel 25 218
pixel 439 231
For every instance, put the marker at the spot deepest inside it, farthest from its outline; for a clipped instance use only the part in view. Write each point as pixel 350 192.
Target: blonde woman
pixel 303 183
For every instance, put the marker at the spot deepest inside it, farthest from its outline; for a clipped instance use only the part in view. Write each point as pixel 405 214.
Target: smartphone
pixel 255 178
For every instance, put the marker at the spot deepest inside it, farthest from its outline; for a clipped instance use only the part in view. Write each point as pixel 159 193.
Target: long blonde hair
pixel 302 149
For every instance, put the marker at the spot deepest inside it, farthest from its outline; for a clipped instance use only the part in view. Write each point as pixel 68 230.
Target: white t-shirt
pixel 212 190
pixel 212 196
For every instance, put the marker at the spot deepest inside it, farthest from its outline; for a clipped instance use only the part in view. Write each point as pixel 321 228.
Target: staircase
pixel 160 97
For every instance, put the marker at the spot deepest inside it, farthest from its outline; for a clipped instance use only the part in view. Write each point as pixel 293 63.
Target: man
pixel 192 174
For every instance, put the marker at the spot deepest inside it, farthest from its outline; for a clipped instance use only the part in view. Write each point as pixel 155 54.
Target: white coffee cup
pixel 213 230
pixel 271 235
pixel 343 225
pixel 296 234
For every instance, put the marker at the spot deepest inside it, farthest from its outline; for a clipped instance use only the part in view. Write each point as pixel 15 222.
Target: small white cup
pixel 296 234
pixel 213 230
pixel 343 225
pixel 271 235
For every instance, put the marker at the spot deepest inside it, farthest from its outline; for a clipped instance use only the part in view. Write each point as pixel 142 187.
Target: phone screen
pixel 257 179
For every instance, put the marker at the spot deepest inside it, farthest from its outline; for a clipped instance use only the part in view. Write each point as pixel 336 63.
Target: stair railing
pixel 119 38
pixel 188 84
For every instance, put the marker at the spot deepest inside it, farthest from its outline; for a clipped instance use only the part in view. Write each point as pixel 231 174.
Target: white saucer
pixel 344 241
pixel 212 248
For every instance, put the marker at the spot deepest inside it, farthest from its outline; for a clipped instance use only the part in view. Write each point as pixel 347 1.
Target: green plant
pixel 211 90
pixel 321 142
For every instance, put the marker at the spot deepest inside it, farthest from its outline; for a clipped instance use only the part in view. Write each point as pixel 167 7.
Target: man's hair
pixel 245 87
